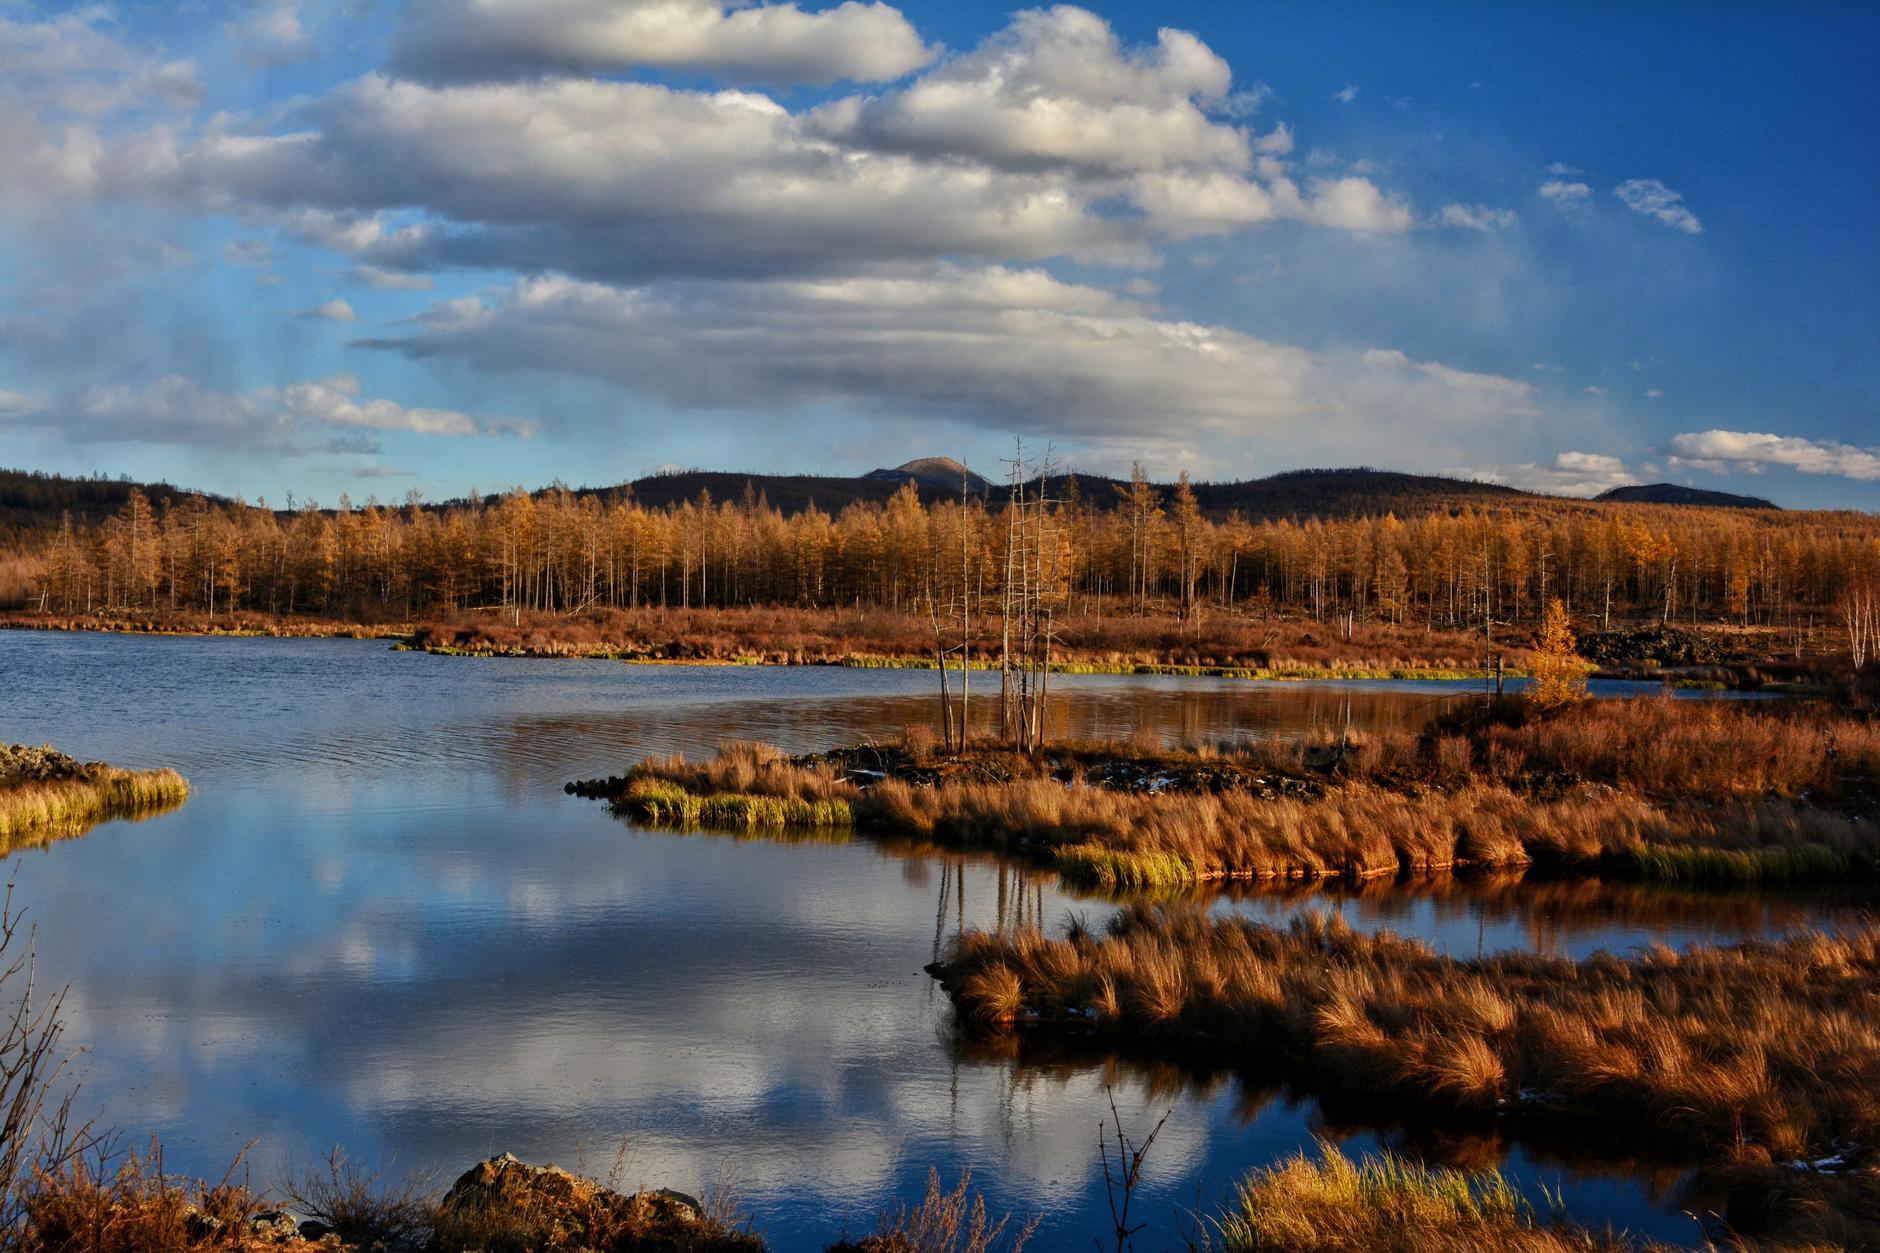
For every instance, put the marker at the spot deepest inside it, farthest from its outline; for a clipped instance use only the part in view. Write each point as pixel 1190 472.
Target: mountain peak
pixel 943 472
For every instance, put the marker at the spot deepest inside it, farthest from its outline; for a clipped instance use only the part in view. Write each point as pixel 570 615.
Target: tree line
pixel 1138 548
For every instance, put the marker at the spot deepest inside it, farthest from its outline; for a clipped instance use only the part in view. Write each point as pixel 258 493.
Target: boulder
pixel 549 1204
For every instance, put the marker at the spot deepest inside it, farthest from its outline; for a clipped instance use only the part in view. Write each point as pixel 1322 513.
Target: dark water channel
pixel 378 922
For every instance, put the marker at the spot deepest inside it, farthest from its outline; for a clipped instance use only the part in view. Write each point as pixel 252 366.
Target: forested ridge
pixel 1390 549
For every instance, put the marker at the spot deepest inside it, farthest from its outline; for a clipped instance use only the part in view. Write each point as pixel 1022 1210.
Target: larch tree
pixel 1559 672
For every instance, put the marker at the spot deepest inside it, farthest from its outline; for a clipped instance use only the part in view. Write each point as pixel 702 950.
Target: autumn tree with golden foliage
pixel 1559 671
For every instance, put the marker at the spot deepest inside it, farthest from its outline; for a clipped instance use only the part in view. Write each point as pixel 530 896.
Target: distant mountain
pixel 1293 494
pixel 1324 493
pixel 31 501
pixel 943 472
pixel 1674 494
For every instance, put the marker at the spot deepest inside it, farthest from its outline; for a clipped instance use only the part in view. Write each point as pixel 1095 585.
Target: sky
pixel 328 247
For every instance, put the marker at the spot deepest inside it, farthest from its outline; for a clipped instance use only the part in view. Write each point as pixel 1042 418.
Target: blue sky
pixel 328 246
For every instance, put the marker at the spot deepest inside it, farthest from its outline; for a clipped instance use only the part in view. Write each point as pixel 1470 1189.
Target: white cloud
pixel 1653 199
pixel 467 40
pixel 1516 393
pixel 274 34
pixel 1582 474
pixel 1593 389
pixel 390 280
pixel 1478 217
pixel 1057 87
pixel 1050 139
pixel 335 401
pixel 177 410
pixel 1561 169
pixel 988 346
pixel 1347 95
pixel 1563 193
pixel 619 180
pixel 331 311
pixel 61 79
pixel 1750 452
pixel 1654 393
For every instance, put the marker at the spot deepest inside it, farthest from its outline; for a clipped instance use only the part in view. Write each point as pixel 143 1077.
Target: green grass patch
pixel 661 803
pixel 1095 866
pixel 1679 864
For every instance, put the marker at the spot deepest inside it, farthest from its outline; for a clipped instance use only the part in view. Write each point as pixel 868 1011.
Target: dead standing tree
pixel 1034 578
pixel 959 602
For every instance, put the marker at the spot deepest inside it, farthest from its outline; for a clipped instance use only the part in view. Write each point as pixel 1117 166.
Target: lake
pixel 379 923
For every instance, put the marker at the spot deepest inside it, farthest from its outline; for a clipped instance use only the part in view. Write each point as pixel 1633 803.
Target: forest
pixel 1106 549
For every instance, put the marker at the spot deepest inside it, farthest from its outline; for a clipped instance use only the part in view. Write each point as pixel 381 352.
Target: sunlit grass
pixel 1384 1201
pixel 1746 1057
pixel 51 809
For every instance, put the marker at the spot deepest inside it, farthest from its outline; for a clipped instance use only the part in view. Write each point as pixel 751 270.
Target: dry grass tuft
pixel 1526 790
pixel 1762 1050
pixel 1385 1202
pixel 946 1221
pixel 46 795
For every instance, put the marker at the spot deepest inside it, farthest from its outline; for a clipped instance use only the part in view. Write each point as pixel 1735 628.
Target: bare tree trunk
pixel 966 609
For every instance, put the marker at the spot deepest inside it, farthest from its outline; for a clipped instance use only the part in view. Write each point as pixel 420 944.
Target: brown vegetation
pixel 191 622
pixel 1441 567
pixel 1655 788
pixel 1335 1205
pixel 792 636
pixel 1750 1057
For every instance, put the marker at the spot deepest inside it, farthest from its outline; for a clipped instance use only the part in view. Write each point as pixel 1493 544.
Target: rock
pixel 683 1206
pixel 201 1226
pixel 276 1225
pixel 313 1229
pixel 507 1185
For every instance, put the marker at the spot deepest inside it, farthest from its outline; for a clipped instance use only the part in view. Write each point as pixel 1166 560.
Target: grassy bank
pixel 1158 643
pixel 181 622
pixel 1750 1057
pixel 1698 792
pixel 1327 1203
pixel 46 795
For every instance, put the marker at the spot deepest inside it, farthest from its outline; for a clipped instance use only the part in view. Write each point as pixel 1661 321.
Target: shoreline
pixel 46 795
pixel 1610 788
pixel 406 637
pixel 1741 1051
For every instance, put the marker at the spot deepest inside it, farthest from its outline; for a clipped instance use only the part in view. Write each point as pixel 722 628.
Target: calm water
pixel 378 922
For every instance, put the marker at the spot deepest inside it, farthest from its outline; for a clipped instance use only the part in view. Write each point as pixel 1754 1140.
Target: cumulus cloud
pixel 1582 474
pixel 331 311
pixel 1478 217
pixel 1347 95
pixel 177 410
pixel 1751 452
pixel 62 78
pixel 1562 192
pixel 1654 200
pixel 465 40
pixel 991 345
pixel 624 180
pixel 1057 87
pixel 988 346
pixel 1050 139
